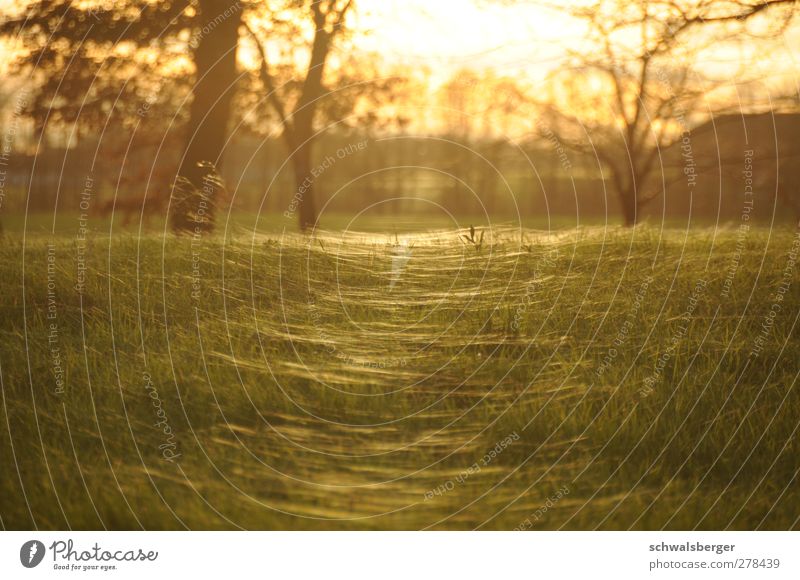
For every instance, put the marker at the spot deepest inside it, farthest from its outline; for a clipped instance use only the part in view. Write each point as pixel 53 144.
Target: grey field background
pixel 597 377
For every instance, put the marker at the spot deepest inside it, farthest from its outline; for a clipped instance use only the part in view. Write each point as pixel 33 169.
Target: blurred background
pixel 281 113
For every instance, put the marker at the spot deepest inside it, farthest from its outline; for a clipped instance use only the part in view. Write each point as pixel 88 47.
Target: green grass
pixel 305 390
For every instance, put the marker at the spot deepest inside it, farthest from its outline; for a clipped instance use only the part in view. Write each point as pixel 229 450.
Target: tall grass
pixel 288 382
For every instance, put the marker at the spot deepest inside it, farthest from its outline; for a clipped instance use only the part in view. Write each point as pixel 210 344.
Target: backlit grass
pixel 402 381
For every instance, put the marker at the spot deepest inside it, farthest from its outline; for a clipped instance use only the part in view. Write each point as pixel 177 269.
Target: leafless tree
pixel 627 95
pixel 633 92
pixel 297 119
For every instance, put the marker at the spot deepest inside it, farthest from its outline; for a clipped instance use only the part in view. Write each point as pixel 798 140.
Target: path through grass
pixel 591 379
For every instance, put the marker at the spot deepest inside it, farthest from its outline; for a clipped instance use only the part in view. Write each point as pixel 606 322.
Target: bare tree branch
pixel 267 81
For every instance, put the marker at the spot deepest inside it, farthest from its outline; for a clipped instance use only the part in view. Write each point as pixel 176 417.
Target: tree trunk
pixel 304 179
pixel 215 62
pixel 630 206
pixel 303 123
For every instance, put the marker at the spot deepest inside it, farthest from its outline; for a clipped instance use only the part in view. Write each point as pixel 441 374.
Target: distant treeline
pixel 734 165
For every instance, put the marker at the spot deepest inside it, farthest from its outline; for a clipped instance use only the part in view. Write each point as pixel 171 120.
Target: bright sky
pixel 514 38
pixel 451 34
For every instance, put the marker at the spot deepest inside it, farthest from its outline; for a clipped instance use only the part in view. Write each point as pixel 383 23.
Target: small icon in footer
pixel 31 553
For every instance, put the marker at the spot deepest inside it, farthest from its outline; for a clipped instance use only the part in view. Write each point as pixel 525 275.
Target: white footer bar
pixel 400 555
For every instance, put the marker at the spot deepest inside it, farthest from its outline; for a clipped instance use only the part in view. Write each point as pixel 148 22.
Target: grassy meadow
pixel 593 377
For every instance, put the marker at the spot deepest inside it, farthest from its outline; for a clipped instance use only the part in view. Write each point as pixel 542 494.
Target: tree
pixel 90 62
pixel 215 78
pixel 478 110
pixel 627 96
pixel 297 120
pixel 631 94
